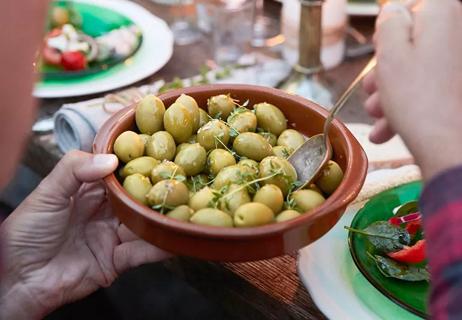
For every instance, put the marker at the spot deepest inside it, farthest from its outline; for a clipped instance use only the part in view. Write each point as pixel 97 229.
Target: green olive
pixel 251 164
pixel 233 174
pixel 291 138
pixel 182 213
pixel 252 146
pixel 161 146
pixel 253 214
pixel 282 152
pixel 182 146
pixel 270 118
pixel 270 137
pixel 196 183
pixel 166 170
pixel 168 193
pixel 212 217
pixel 179 122
pixel 192 159
pixel 201 199
pixel 221 105
pixel 219 159
pixel 242 120
pixel 137 186
pixel 330 178
pixel 279 172
pixel 314 187
pixel 193 108
pixel 203 117
pixel 149 114
pixel 128 146
pixel 143 165
pixel 271 196
pixel 235 197
pixel 145 138
pixel 287 215
pixel 306 200
pixel 211 132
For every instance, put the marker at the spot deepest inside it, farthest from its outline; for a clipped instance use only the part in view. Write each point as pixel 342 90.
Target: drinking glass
pixel 232 22
pixel 264 28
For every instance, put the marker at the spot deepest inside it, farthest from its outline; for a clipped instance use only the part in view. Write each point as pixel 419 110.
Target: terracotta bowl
pixel 240 244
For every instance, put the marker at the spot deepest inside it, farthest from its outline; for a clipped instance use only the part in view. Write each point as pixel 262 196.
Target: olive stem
pixel 228 149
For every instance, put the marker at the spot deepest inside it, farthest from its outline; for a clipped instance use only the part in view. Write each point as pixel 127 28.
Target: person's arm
pixel 441 206
pixel 21 32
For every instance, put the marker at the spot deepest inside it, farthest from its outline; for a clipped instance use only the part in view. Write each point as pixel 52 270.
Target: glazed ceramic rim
pixel 347 191
pixel 363 269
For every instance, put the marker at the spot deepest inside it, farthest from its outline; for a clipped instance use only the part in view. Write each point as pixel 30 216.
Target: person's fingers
pixel 75 168
pixel 135 253
pixel 393 31
pixel 381 132
pixel 373 107
pixel 125 234
pixel 369 82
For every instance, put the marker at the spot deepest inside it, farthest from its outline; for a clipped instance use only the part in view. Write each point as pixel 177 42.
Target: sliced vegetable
pixel 74 61
pixel 392 269
pixel 413 254
pixel 397 221
pixel 414 226
pixel 384 236
pixel 51 56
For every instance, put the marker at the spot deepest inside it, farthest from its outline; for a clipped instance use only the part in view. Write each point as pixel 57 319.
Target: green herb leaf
pixel 384 236
pixel 393 269
pixel 180 178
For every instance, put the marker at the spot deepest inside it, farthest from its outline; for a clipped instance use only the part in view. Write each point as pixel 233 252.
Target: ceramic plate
pixel 363 8
pixel 410 295
pixel 154 52
pixel 97 21
pixel 336 285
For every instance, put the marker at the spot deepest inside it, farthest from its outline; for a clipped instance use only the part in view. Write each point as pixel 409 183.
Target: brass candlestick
pixel 305 79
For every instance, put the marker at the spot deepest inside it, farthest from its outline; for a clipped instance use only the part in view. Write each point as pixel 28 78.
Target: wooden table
pixel 268 289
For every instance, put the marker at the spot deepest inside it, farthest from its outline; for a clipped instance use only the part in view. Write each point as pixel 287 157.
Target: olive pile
pixel 223 168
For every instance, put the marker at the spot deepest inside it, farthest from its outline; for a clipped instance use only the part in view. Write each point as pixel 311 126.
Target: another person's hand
pixel 63 243
pixel 416 89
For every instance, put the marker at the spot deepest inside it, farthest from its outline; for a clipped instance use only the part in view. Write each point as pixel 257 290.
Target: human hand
pixel 62 243
pixel 416 89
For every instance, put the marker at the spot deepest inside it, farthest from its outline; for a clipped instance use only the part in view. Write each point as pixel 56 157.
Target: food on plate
pixel 221 168
pixel 397 246
pixel 67 47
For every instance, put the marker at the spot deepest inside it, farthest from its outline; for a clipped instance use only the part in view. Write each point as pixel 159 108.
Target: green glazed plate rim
pixel 363 269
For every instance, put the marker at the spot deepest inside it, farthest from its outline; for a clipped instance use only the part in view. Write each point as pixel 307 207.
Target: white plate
pixel 155 51
pixel 336 285
pixel 363 9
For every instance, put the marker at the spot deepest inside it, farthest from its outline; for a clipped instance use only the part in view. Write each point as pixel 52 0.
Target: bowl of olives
pixel 204 171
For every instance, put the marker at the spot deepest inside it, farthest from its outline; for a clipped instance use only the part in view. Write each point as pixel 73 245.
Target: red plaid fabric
pixel 441 206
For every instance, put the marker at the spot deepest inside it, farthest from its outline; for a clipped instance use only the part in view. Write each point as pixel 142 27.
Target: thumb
pixel 75 168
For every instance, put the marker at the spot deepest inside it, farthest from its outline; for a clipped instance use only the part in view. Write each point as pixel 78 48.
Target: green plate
pixel 410 295
pixel 96 21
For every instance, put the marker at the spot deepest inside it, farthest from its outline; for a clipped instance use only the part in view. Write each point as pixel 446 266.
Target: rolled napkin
pixel 76 124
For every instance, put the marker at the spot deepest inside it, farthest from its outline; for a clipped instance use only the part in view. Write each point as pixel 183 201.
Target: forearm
pixel 441 206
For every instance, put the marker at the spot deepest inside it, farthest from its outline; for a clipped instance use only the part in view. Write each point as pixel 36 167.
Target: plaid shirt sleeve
pixel 441 206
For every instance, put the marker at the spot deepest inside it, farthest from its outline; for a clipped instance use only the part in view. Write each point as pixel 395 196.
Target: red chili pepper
pixel 74 60
pixel 414 226
pixel 414 254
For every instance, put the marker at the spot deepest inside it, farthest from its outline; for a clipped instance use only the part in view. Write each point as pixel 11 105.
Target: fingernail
pixel 104 159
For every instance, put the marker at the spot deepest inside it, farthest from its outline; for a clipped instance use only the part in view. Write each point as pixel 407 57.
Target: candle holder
pixel 306 77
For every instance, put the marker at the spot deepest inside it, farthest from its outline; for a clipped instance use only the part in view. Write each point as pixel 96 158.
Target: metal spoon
pixel 310 157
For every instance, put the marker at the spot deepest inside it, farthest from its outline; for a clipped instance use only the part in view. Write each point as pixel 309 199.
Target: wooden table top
pixel 268 289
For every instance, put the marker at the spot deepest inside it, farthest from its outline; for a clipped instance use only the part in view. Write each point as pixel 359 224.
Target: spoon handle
pixel 341 102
